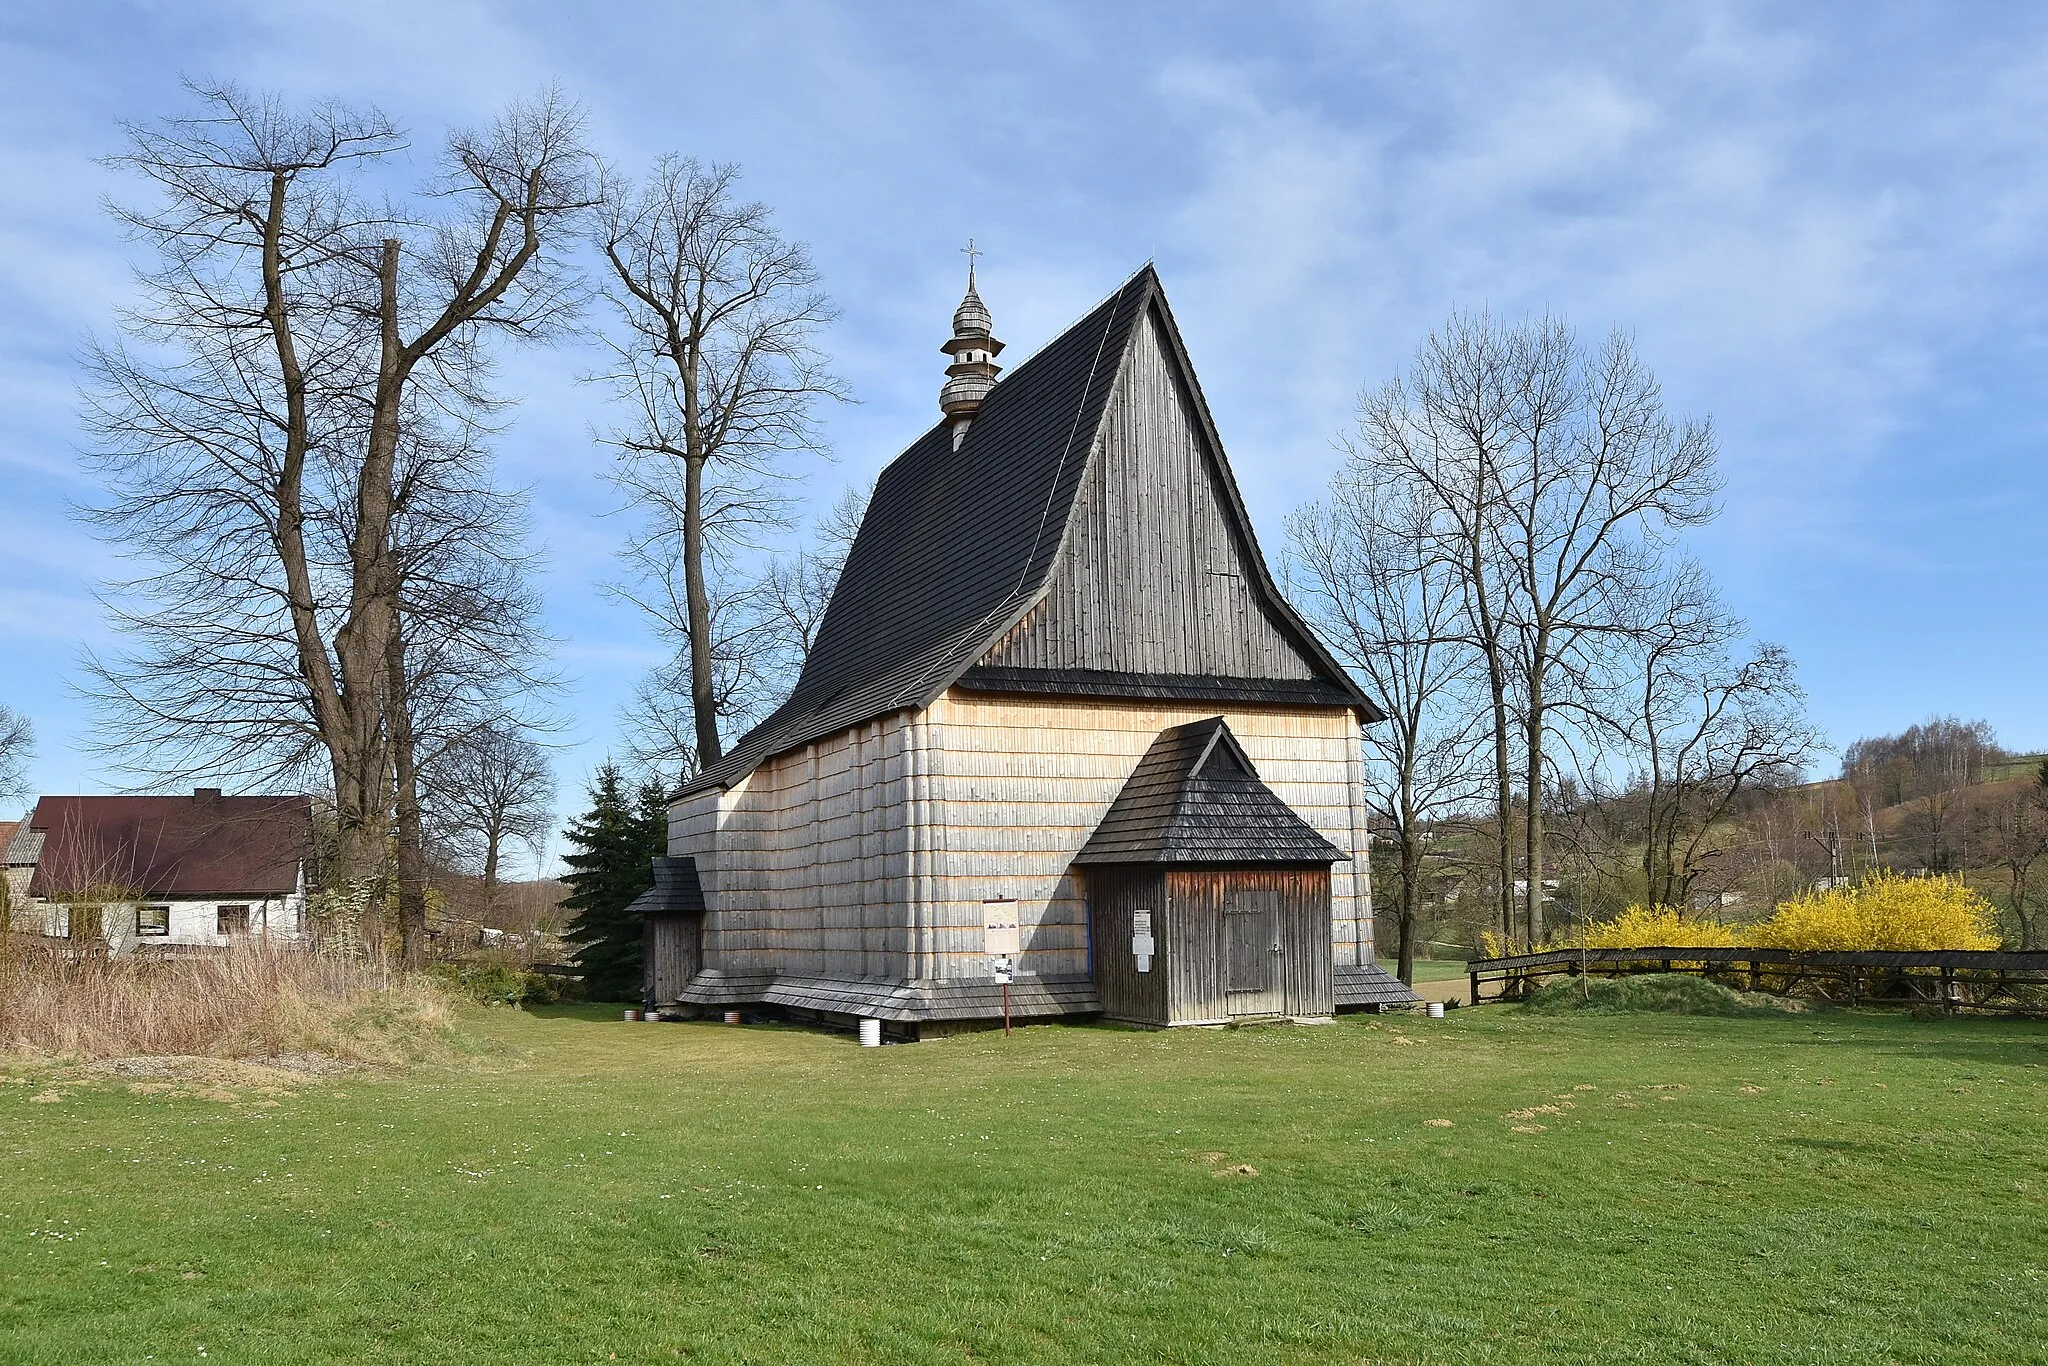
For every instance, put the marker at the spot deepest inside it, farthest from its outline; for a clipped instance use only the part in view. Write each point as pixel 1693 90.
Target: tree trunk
pixel 410 836
pixel 1411 868
pixel 363 642
pixel 703 701
pixel 1532 815
pixel 493 838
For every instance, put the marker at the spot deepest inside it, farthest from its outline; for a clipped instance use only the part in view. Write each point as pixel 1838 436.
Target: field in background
pixel 1493 1187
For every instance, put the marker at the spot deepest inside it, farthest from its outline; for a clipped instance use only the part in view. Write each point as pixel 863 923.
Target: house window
pixel 232 920
pixel 153 922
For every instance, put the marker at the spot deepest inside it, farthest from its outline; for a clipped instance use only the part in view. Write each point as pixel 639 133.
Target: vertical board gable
pixel 1155 576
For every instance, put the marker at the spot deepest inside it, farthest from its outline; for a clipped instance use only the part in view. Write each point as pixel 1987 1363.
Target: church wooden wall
pixel 806 862
pixel 1152 578
pixel 1021 782
pixel 869 854
pixel 1113 893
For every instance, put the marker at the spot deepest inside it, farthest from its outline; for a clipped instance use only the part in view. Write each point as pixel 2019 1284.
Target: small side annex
pixel 1200 861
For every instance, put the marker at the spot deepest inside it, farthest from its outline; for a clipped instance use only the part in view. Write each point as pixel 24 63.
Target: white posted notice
pixel 999 927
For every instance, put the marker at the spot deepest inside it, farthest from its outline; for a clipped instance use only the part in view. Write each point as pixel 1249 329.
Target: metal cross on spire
pixel 970 251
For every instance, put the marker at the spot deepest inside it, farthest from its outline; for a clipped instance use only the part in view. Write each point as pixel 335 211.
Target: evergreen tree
pixel 616 842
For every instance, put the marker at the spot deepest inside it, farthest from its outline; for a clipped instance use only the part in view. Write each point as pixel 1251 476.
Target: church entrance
pixel 1253 951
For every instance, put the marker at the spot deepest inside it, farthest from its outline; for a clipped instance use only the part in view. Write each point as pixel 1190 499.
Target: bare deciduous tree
pixel 487 789
pixel 1442 432
pixel 1702 728
pixel 1391 608
pixel 1553 478
pixel 296 338
pixel 719 373
pixel 17 747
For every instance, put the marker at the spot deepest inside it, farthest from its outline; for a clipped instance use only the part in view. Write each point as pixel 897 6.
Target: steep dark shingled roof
pixel 201 845
pixel 676 890
pixel 957 545
pixel 1195 798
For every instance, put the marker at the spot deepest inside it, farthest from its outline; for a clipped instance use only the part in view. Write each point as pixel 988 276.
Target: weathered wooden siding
pixel 1019 783
pixel 868 855
pixel 673 953
pixel 1220 917
pixel 1152 577
pixel 808 863
pixel 1195 936
pixel 1127 994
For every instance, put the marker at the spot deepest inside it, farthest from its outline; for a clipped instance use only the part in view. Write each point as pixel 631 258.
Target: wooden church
pixel 1056 680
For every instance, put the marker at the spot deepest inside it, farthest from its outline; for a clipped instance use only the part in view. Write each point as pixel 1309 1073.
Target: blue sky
pixel 1827 226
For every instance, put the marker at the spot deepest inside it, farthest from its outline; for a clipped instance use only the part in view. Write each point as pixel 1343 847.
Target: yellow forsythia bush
pixel 1883 911
pixel 1644 926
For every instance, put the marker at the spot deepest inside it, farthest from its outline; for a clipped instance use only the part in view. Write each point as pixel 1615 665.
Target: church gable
pixel 1069 530
pixel 1157 575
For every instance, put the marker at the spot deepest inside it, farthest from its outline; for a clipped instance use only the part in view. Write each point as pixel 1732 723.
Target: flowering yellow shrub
pixel 1643 926
pixel 1883 911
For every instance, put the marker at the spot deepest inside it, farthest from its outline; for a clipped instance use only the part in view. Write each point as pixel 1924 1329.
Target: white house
pixel 165 871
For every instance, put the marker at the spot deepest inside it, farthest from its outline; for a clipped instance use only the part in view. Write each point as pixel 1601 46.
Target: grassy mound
pixel 1657 993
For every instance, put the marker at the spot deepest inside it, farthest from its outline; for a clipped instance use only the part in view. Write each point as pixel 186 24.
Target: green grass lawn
pixel 1432 970
pixel 1492 1187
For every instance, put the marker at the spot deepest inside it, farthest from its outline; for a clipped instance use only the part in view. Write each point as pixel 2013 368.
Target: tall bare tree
pixel 1555 479
pixel 294 334
pixel 719 374
pixel 1595 480
pixel 1441 432
pixel 1392 609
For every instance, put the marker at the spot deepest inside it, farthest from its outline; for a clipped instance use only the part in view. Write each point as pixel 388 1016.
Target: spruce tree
pixel 616 842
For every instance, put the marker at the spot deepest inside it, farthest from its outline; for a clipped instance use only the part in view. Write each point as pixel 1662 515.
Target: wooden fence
pixel 1952 980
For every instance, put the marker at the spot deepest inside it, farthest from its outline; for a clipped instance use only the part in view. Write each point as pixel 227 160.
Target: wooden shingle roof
pixel 1195 798
pixel 957 545
pixel 676 891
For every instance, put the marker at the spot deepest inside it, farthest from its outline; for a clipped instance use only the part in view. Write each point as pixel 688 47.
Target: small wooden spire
pixel 973 349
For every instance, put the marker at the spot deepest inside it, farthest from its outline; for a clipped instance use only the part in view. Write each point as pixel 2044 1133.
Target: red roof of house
pixel 201 845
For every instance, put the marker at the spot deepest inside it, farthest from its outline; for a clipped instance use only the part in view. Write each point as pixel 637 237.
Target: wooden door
pixel 674 952
pixel 1253 981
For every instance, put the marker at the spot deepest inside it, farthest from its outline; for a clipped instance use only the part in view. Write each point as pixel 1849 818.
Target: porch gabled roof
pixel 1195 798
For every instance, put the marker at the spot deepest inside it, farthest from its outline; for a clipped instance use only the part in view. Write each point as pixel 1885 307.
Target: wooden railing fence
pixel 1951 980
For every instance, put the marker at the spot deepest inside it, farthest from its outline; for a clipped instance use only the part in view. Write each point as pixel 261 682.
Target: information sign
pixel 999 924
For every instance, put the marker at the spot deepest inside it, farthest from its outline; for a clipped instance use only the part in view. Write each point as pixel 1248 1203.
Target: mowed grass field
pixel 1493 1187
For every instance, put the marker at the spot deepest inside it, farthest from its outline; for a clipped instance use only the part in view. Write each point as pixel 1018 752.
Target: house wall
pixel 1113 893
pixel 18 878
pixel 192 922
pixel 869 854
pixel 1021 783
pixel 672 953
pixel 1198 911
